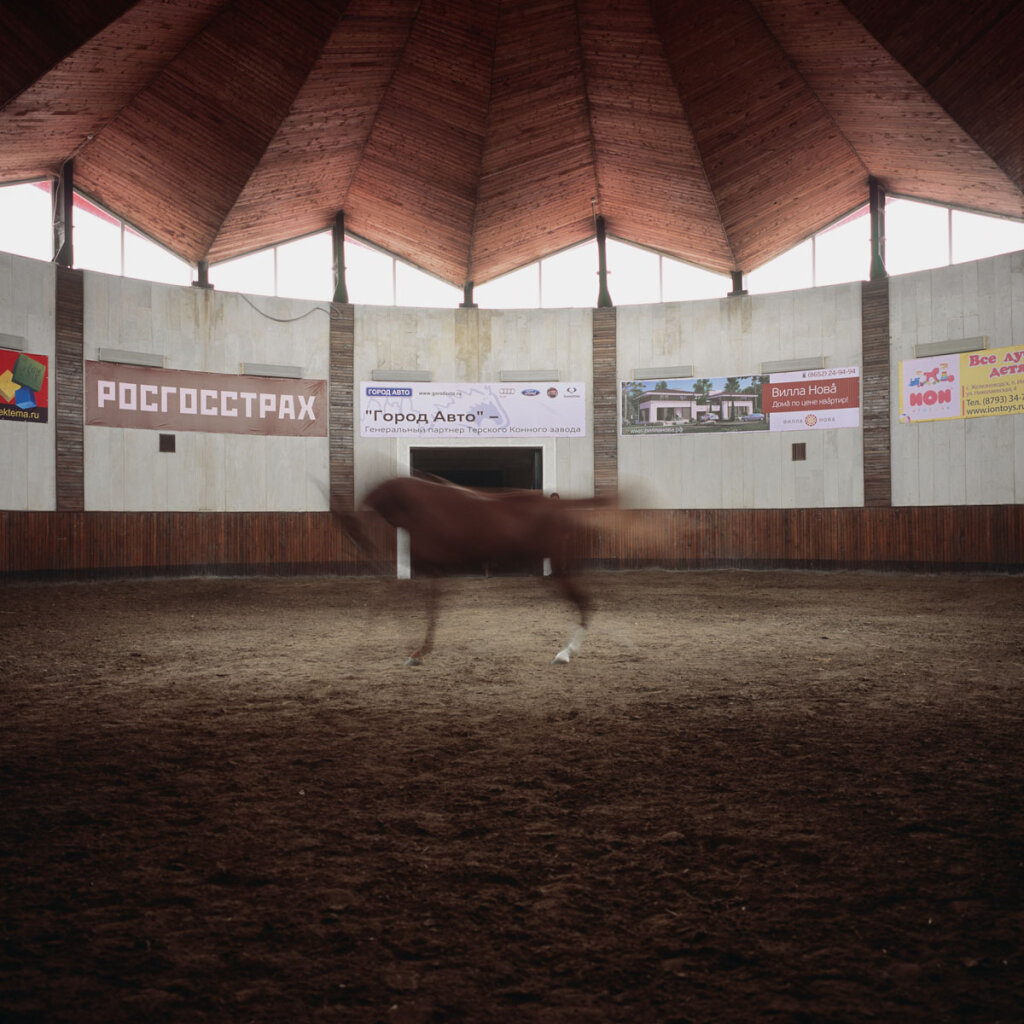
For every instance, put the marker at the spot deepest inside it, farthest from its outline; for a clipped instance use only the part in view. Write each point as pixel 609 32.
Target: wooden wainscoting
pixel 983 538
pixel 82 545
pixel 975 538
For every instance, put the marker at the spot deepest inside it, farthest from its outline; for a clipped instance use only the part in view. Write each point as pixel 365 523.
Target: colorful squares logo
pixel 29 372
pixel 23 386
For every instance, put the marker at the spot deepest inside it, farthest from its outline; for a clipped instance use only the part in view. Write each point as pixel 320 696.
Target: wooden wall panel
pixel 975 538
pixel 605 399
pixel 986 538
pixel 342 418
pixel 94 544
pixel 875 400
pixel 69 390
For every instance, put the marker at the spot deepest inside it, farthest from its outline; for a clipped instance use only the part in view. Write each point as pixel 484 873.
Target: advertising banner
pixel 148 398
pixel 801 400
pixel 964 385
pixel 411 409
pixel 24 387
pixel 813 399
pixel 930 389
pixel 993 382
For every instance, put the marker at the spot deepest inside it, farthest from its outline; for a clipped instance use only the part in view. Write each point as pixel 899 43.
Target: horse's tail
pixel 609 524
pixel 349 522
pixel 351 525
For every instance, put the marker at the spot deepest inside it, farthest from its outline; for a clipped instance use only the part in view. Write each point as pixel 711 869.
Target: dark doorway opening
pixel 506 468
pixel 518 468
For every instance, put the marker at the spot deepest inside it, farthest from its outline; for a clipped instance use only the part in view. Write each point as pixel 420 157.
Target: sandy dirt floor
pixel 793 797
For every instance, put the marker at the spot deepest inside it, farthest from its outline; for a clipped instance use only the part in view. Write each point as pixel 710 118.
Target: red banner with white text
pixel 147 398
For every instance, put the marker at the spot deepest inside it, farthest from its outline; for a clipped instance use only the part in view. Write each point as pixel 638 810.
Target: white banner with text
pixel 477 410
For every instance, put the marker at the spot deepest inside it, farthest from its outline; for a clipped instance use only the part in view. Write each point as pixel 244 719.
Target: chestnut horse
pixel 453 528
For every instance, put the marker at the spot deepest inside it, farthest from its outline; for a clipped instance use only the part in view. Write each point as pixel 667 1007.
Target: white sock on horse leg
pixel 565 655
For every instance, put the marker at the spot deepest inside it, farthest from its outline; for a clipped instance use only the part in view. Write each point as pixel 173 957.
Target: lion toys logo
pixel 24 387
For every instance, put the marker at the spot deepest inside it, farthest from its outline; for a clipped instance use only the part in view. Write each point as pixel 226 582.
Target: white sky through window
pixel 918 236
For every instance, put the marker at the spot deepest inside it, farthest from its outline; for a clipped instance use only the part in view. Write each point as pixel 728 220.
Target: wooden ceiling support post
pixel 876 205
pixel 467 296
pixel 202 275
pixel 338 241
pixel 737 283
pixel 63 214
pixel 604 298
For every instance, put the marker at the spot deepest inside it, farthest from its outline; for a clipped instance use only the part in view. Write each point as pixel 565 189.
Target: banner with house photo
pixel 801 400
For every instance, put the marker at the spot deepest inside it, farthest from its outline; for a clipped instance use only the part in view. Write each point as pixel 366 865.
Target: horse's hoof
pixel 412 661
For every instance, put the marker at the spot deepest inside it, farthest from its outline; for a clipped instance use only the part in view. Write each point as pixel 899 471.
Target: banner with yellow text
pixel 965 385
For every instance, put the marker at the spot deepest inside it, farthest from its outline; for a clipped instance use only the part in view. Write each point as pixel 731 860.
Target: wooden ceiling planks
pixel 58 114
pixel 901 133
pixel 202 125
pixel 415 188
pixel 652 189
pixel 761 129
pixel 39 38
pixel 538 136
pixel 471 138
pixel 968 57
pixel 305 174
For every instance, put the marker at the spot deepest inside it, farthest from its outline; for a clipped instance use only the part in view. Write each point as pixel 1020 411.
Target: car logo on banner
pixel 482 409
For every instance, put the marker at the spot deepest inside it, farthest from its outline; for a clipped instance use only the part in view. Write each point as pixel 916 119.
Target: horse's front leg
pixel 416 658
pixel 573 592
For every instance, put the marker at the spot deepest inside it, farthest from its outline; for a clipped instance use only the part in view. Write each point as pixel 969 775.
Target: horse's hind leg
pixel 416 658
pixel 573 592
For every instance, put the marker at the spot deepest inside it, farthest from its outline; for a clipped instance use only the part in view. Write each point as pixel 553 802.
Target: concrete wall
pixel 731 337
pixel 957 462
pixel 195 329
pixel 27 450
pixel 476 345
pixel 953 462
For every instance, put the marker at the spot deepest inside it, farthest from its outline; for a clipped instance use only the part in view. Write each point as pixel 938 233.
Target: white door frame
pixel 403 459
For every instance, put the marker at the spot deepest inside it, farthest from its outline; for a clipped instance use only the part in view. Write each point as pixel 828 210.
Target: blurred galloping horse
pixel 453 528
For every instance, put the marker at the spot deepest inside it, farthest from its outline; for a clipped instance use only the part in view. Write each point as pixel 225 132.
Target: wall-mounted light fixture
pixel 945 348
pixel 12 341
pixel 270 370
pixel 663 372
pixel 121 355
pixel 793 365
pixel 418 375
pixel 525 376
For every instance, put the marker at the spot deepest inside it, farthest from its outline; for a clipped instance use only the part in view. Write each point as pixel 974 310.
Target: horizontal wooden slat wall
pixel 921 539
pixel 606 409
pixel 876 393
pixel 342 389
pixel 93 544
pixel 929 539
pixel 69 392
